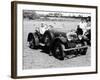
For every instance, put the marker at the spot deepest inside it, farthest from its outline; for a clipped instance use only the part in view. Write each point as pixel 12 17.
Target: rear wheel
pixel 33 40
pixel 32 43
pixel 59 51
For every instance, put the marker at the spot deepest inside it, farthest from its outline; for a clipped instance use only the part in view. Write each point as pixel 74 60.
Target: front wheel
pixel 48 38
pixel 59 51
pixel 83 51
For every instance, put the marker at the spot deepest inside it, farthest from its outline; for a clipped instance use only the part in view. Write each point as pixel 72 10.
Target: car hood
pixel 59 32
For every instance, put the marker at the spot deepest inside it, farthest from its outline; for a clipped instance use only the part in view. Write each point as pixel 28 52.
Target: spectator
pixel 79 31
pixel 83 25
pixel 43 28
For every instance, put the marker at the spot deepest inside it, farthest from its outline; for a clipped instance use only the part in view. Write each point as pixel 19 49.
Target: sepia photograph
pixel 53 39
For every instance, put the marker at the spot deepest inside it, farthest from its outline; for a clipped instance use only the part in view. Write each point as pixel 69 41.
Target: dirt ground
pixel 36 59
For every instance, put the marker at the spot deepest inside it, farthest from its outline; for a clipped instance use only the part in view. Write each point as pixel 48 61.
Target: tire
pixel 32 44
pixel 59 50
pixel 32 38
pixel 88 36
pixel 83 51
pixel 48 38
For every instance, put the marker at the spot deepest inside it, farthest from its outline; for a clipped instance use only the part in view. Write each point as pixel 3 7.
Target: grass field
pixel 35 59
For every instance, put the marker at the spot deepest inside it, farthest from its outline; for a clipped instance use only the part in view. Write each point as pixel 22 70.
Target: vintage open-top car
pixel 59 42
